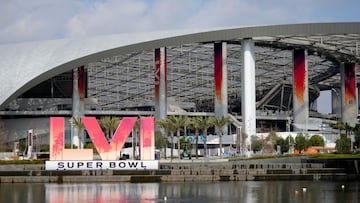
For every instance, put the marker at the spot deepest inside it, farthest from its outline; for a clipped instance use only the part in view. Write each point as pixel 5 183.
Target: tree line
pixel 170 125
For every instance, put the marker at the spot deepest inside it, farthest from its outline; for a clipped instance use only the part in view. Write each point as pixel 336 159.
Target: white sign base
pixel 102 165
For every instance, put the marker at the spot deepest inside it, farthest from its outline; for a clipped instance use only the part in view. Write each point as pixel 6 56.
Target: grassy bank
pixel 313 156
pixel 335 156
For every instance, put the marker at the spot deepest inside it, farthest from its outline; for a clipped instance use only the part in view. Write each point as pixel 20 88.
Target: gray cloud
pixel 24 20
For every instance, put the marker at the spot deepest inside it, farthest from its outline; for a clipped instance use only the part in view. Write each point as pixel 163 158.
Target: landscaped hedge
pixel 334 156
pixel 5 162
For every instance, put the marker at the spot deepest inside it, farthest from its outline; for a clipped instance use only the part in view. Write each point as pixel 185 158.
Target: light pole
pixel 322 129
pixel 238 140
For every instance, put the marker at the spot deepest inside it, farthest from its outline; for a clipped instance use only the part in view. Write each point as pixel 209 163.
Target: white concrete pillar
pixel 248 100
pixel 160 83
pixel 78 98
pixel 220 74
pixel 300 90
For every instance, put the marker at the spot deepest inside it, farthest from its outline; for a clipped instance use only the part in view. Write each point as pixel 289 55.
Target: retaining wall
pixel 247 170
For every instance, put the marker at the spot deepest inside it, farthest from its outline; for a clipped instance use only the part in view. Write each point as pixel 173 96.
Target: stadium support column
pixel 220 74
pixel 300 90
pixel 348 94
pixel 336 103
pixel 248 107
pixel 160 83
pixel 78 101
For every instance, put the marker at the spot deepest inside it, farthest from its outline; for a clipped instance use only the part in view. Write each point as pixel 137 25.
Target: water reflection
pixel 95 193
pixel 268 191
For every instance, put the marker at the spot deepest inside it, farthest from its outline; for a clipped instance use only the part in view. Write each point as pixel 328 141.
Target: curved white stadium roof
pixel 25 65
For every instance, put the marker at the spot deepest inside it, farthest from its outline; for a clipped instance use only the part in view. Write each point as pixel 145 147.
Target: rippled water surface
pixel 207 192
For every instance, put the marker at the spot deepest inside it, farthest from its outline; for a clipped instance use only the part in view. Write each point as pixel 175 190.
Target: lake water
pixel 249 191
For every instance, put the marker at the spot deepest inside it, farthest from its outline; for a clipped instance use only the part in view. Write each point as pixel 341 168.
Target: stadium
pixel 264 77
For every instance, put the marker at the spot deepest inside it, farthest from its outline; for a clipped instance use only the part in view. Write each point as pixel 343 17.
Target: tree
pixel 109 125
pixel 316 140
pixel 357 136
pixel 348 129
pixel 185 144
pixel 159 140
pixel 220 123
pixel 179 123
pixel 343 144
pixel 357 141
pixel 195 124
pixel 168 125
pixel 271 138
pixel 76 122
pixel 256 143
pixel 339 126
pixel 284 145
pixel 290 142
pixel 205 123
pixel 300 142
pixel 164 124
pixel 114 123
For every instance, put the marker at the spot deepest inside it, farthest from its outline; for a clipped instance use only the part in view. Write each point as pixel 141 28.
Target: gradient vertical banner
pixel 220 76
pixel 300 73
pixel 218 71
pixel 300 88
pixel 160 83
pixel 350 83
pixel 81 82
pixel 157 75
pixel 147 138
pixel 349 113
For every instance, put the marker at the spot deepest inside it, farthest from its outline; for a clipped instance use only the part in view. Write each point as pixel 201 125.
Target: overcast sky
pixel 30 20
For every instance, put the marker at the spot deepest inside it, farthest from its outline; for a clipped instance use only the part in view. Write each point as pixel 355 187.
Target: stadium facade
pixel 266 77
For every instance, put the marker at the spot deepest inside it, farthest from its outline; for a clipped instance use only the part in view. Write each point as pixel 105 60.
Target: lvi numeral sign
pixel 107 151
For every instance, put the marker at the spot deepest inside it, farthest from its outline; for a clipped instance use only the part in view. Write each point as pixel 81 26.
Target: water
pixel 250 191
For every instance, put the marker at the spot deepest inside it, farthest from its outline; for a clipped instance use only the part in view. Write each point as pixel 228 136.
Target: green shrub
pixel 335 156
pixel 2 148
pixel 45 148
pixel 68 146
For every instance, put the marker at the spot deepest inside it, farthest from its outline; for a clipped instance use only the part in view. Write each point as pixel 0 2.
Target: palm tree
pixel 348 129
pixel 179 123
pixel 220 123
pixel 168 125
pixel 205 123
pixel 76 122
pixel 104 122
pixel 163 123
pixel 338 125
pixel 109 124
pixel 172 130
pixel 195 124
pixel 113 125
